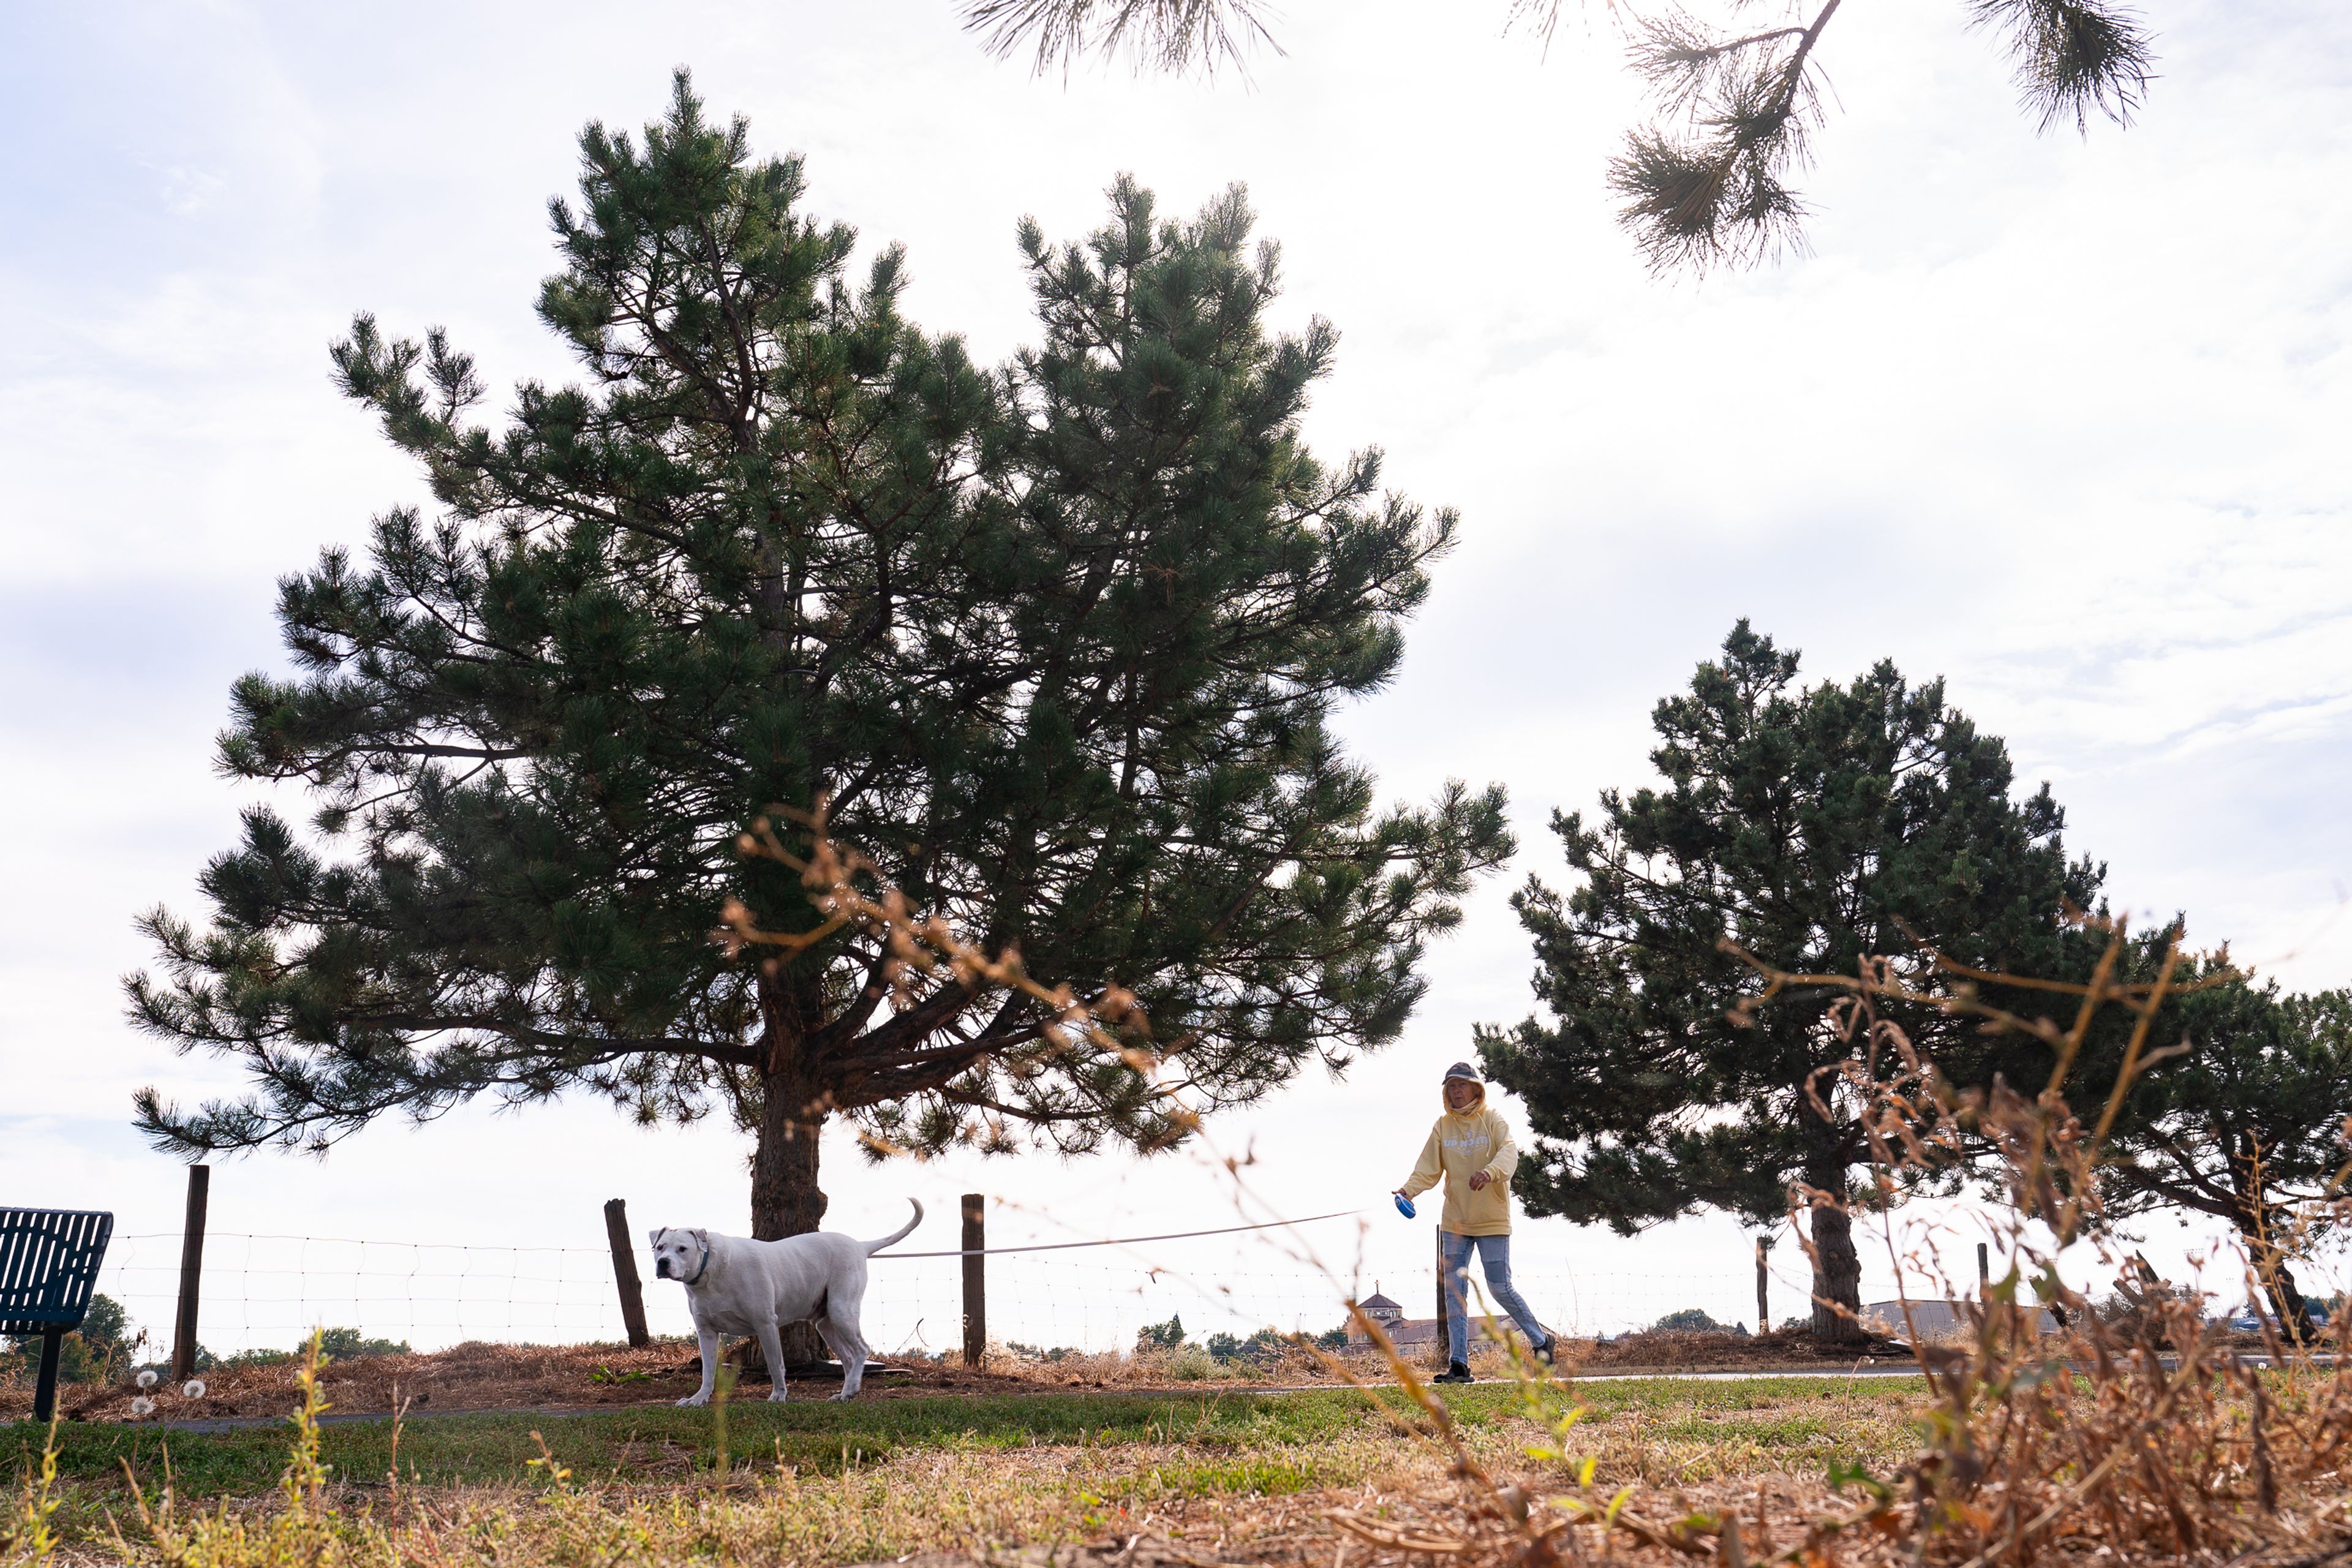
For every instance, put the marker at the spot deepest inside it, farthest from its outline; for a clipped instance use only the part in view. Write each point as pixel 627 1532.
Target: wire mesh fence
pixel 266 1292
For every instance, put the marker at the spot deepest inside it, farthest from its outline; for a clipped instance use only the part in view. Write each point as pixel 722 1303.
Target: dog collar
pixel 704 1269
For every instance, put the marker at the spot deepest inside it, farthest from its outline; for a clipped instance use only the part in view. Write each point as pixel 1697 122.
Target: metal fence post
pixel 192 1269
pixel 625 1273
pixel 975 1279
pixel 45 1384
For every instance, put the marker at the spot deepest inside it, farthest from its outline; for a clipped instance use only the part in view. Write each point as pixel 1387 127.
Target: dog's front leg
pixel 772 1345
pixel 709 1338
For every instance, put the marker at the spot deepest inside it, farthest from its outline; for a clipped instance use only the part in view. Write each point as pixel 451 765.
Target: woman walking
pixel 1470 1149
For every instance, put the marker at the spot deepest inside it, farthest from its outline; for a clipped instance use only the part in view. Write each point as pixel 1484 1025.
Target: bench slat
pixel 49 1261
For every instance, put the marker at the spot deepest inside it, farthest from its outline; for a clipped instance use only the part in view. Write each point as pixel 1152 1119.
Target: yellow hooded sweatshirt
pixel 1464 1141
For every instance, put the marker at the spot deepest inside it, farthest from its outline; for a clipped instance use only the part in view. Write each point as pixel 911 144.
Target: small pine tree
pixel 1164 1336
pixel 2246 1126
pixel 1810 828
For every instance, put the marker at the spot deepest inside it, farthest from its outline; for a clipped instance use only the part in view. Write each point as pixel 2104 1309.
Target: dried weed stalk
pixel 850 892
pixel 2144 1436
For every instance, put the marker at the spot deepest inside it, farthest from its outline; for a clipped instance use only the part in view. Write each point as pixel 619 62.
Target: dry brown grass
pixel 2139 1438
pixel 1245 1498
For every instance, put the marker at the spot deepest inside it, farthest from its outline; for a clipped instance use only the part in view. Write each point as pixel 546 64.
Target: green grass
pixel 876 1480
pixel 1229 1432
pixel 649 1442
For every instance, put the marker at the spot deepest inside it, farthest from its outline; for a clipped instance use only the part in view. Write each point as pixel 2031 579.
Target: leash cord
pixel 1120 1240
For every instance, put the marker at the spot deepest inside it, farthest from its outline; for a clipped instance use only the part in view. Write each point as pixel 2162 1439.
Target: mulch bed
pixel 1782 1349
pixel 484 1376
pixel 476 1376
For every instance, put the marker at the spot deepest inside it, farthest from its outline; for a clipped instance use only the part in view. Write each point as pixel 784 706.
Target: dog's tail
pixel 899 1234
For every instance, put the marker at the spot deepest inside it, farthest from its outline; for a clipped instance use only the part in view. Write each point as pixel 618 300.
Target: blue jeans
pixel 1495 1253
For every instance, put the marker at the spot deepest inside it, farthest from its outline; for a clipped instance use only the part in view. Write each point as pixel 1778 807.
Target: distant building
pixel 1405 1333
pixel 1934 1320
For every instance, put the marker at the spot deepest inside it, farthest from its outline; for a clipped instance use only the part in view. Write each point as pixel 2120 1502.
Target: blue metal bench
pixel 48 1270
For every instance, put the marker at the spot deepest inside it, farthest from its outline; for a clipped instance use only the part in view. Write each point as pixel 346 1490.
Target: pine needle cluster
pixel 1707 183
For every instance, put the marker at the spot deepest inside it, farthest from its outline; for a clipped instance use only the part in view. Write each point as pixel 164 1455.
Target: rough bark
pixel 1837 1266
pixel 1837 1274
pixel 2277 1279
pixel 785 1197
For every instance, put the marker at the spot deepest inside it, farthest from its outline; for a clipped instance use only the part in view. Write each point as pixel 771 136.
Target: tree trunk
pixel 2257 1222
pixel 2277 1281
pixel 785 1198
pixel 1837 1274
pixel 1837 1267
pixel 2286 1301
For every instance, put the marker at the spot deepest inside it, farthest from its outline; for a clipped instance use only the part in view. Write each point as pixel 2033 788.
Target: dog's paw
pixel 776 1396
pixel 695 1399
pixel 845 1394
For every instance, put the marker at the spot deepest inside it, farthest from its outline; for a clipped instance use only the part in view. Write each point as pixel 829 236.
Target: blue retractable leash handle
pixel 1405 1205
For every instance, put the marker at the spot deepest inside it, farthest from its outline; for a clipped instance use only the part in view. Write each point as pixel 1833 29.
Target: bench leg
pixel 45 1392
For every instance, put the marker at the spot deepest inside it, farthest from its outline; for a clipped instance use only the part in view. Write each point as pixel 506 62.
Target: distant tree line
pixel 1265 1345
pixel 108 1347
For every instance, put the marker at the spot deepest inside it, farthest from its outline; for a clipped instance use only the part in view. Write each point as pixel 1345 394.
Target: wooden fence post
pixel 975 1279
pixel 192 1269
pixel 1444 1306
pixel 1763 1315
pixel 625 1273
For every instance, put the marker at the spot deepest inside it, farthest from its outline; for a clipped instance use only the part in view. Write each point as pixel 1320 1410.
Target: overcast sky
pixel 2060 420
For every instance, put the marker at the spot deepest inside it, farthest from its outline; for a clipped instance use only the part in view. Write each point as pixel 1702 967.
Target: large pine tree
pixel 1056 643
pixel 1812 827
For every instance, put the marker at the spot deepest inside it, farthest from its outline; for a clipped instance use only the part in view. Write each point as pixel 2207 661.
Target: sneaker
pixel 1456 1371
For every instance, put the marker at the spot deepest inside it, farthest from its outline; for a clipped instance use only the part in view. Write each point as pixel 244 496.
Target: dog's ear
pixel 654 1236
pixel 702 1237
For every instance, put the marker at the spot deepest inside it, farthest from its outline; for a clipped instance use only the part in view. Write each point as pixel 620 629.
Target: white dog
pixel 737 1285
